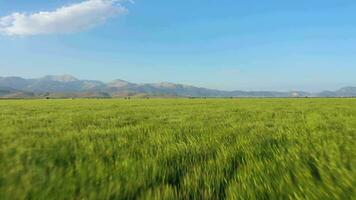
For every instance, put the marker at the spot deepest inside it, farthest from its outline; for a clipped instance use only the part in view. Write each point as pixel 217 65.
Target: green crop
pixel 178 149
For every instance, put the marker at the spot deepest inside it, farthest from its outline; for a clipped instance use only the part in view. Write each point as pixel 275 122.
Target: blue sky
pixel 225 44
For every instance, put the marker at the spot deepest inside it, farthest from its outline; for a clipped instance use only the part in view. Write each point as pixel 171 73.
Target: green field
pixel 178 149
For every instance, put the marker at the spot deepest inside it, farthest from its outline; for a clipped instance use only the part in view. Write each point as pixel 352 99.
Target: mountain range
pixel 67 86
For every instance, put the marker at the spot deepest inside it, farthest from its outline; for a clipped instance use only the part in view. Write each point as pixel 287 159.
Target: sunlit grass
pixel 178 149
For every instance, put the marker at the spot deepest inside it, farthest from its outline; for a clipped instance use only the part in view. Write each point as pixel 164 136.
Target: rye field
pixel 178 149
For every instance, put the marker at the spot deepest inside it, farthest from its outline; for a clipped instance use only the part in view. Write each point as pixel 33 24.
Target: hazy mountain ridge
pixel 66 86
pixel 343 92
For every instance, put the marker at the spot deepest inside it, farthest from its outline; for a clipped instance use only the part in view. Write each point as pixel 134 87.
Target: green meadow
pixel 178 149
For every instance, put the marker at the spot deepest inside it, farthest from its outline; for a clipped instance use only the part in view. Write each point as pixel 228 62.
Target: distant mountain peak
pixel 166 85
pixel 61 78
pixel 119 80
pixel 119 83
pixel 347 89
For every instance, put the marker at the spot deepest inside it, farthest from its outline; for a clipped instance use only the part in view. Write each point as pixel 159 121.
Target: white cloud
pixel 66 19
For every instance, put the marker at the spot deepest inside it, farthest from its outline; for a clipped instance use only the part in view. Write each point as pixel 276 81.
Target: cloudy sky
pixel 224 44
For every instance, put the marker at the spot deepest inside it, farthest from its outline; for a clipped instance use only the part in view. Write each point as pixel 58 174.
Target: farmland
pixel 178 149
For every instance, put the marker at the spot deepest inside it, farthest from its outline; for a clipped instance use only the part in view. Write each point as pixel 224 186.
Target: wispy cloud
pixel 66 19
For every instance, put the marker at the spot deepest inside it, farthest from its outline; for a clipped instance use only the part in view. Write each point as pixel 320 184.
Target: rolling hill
pixel 66 86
